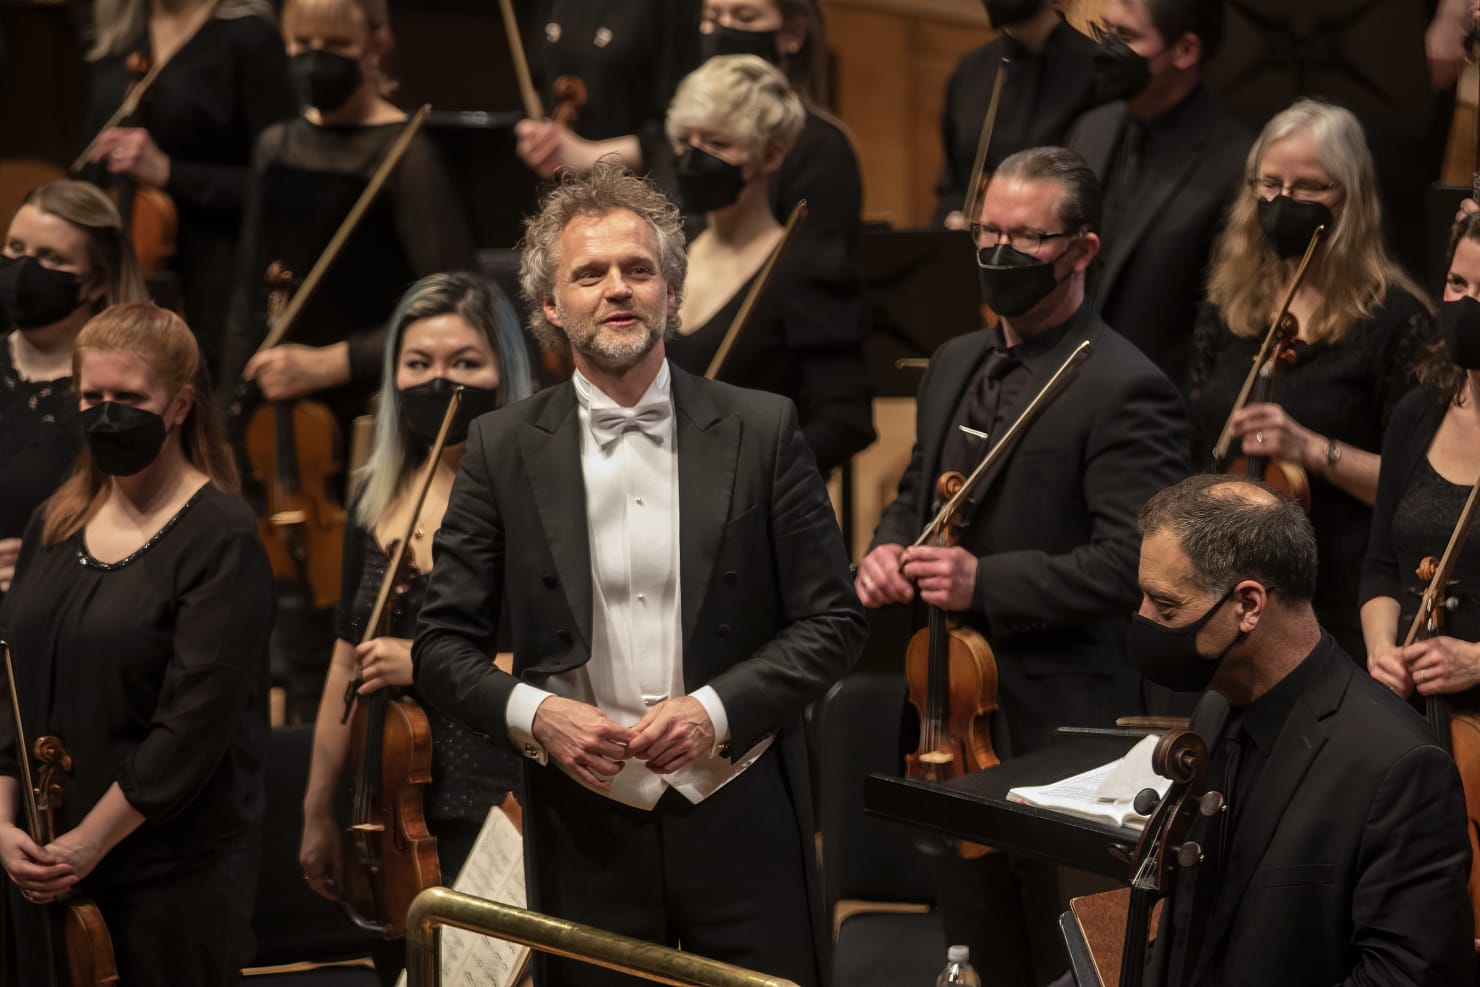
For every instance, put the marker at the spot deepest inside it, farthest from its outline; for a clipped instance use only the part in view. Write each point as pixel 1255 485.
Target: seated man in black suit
pixel 1341 856
pixel 677 593
pixel 1170 159
pixel 1047 560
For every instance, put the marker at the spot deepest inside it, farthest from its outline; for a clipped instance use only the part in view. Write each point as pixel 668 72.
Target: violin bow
pixel 1434 594
pixel 532 108
pixel 33 812
pixel 793 222
pixel 136 89
pixel 398 550
pixel 1041 400
pixel 970 207
pixel 1225 437
pixel 357 212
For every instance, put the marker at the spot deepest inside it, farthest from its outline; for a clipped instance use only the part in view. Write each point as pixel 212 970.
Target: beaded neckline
pixel 84 557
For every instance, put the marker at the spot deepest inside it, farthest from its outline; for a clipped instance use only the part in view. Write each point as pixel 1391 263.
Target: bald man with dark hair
pixel 1341 855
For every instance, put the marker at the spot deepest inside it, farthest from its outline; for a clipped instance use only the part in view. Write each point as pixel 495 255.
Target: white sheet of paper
pixel 1103 793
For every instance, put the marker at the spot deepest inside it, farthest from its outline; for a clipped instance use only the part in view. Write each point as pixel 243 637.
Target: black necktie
pixel 979 412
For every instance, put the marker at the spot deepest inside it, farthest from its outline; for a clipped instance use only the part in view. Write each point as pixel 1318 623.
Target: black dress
pixel 470 774
pixel 305 178
pixel 153 672
pixel 1415 514
pixel 631 54
pixel 1043 93
pixel 39 440
pixel 823 169
pixel 1344 390
pixel 205 110
pixel 804 340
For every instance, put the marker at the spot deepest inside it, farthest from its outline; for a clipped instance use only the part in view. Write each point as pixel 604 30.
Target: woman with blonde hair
pixel 65 258
pixel 449 330
pixel 1362 322
pixel 138 627
pixel 732 123
pixel 223 81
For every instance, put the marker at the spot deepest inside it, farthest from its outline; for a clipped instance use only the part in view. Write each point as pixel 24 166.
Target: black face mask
pixel 1168 656
pixel 424 406
pixel 325 80
pixel 32 296
pixel 1013 282
pixel 1289 224
pixel 1461 321
pixel 707 183
pixel 1119 73
pixel 1006 13
pixel 733 41
pixel 122 439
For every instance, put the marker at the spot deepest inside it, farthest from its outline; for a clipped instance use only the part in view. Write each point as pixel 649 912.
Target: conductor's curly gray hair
pixel 607 187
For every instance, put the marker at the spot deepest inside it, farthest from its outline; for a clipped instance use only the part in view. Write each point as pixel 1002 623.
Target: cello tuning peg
pixel 1211 804
pixel 1189 854
pixel 1146 801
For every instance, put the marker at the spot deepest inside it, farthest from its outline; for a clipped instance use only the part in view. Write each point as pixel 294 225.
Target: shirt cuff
pixel 524 701
pixel 710 700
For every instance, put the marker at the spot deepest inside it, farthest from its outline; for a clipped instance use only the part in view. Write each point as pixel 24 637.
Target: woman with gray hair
pixel 448 330
pixel 732 123
pixel 1362 324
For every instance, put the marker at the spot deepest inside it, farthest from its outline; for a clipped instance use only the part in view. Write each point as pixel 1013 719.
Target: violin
pixel 1182 756
pixel 391 857
pixel 1275 352
pixel 951 670
pixel 86 959
pixel 1288 478
pixel 292 451
pixel 1457 732
pixel 952 676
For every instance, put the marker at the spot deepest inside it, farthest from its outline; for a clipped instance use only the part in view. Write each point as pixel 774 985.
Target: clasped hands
pixel 593 747
pixel 946 577
pixel 46 873
pixel 1437 666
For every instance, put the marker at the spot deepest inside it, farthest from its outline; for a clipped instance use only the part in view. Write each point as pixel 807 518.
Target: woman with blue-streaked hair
pixel 447 330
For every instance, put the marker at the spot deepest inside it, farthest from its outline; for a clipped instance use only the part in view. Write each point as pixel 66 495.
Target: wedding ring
pixel 1259 437
pixel 868 583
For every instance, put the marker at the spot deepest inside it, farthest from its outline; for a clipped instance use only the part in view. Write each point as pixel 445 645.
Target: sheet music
pixel 494 870
pixel 1103 793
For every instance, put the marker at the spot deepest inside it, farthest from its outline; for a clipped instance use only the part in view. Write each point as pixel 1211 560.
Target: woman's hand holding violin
pixel 40 873
pixel 1387 667
pixel 1441 665
pixel 131 151
pixel 1267 430
pixel 384 661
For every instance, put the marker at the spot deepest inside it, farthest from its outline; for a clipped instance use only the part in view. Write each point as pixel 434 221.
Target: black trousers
pixel 190 927
pixel 725 878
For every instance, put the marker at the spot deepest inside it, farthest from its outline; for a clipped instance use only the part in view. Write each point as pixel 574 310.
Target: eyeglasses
pixel 1301 191
pixel 1025 240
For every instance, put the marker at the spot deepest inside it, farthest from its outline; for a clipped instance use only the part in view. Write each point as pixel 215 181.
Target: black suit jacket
pixel 1153 270
pixel 769 617
pixel 1055 531
pixel 1349 864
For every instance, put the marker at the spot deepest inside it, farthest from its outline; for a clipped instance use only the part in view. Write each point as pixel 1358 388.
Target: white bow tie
pixel 649 418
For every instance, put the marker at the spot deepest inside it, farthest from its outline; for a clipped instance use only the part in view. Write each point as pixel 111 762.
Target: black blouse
pixel 1415 515
pixel 823 169
pixel 631 55
pixel 153 672
pixel 1043 93
pixel 1344 390
pixel 39 440
pixel 470 773
pixel 305 180
pixel 804 340
pixel 205 110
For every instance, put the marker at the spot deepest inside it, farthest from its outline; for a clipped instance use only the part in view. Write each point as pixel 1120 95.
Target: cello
pixel 1457 732
pixel 1274 353
pixel 951 670
pixel 391 856
pixel 87 958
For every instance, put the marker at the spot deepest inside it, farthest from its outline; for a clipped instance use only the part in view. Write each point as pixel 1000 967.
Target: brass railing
pixel 436 908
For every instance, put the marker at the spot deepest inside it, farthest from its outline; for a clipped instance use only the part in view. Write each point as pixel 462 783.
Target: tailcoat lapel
pixel 551 446
pixel 708 448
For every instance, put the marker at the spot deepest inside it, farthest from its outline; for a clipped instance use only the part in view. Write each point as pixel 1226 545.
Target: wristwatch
pixel 1333 453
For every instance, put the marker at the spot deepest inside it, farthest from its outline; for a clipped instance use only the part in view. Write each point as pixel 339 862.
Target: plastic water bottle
pixel 958 970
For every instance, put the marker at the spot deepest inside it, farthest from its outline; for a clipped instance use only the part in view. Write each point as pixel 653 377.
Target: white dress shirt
pixel 630 469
